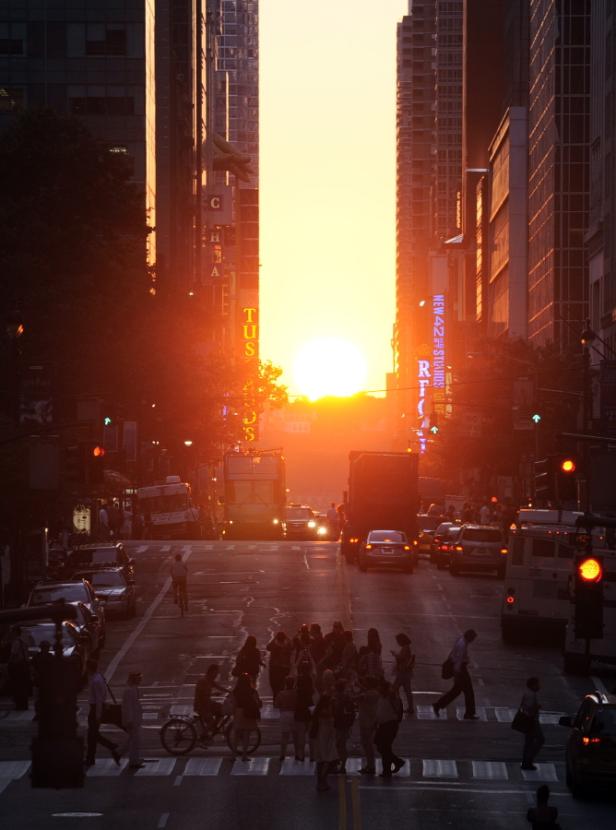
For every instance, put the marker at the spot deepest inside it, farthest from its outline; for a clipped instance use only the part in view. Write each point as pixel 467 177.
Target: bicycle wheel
pixel 178 736
pixel 237 747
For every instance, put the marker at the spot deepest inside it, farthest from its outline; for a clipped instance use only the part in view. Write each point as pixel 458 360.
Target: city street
pixel 460 773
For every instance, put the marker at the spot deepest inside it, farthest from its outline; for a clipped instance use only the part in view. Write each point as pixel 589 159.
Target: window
pixel 105 39
pixel 482 535
pixel 543 547
pixel 12 39
pixel 392 536
pixel 102 105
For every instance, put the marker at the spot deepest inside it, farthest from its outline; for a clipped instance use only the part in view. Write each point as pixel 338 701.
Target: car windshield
pixel 69 593
pixel 604 722
pixel 47 631
pixel 170 503
pixel 107 579
pixel 483 534
pixel 442 527
pixel 298 513
pixel 391 536
pixel 452 533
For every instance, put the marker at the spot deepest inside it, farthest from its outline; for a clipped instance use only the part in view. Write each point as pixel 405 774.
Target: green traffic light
pixel 107 421
pixel 536 418
pixel 434 429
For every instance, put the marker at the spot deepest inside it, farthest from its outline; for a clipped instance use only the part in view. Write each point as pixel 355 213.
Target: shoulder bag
pixel 112 712
pixel 522 722
pixel 447 671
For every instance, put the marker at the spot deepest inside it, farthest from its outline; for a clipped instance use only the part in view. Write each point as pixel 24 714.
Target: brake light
pixel 368 547
pixel 587 741
pixel 443 547
pixel 415 542
pixel 504 550
pixel 407 547
pixel 459 548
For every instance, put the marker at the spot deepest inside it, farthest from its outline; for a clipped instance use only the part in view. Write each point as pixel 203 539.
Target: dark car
pixel 109 555
pixel 478 548
pixel 301 522
pixel 438 534
pixel 427 527
pixel 89 624
pixel 441 555
pixel 74 590
pixel 112 587
pixel 75 644
pixel 386 549
pixel 590 754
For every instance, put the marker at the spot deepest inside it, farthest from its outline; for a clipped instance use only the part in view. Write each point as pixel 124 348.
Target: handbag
pixel 447 671
pixel 522 722
pixel 112 712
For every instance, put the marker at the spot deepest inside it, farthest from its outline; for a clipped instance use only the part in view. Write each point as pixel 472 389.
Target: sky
pixel 327 177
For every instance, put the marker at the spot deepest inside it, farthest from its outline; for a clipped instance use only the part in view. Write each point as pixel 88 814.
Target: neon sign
pixel 438 341
pixel 250 344
pixel 423 380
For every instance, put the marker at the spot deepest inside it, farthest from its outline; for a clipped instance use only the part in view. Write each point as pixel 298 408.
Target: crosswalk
pixel 426 769
pixel 198 546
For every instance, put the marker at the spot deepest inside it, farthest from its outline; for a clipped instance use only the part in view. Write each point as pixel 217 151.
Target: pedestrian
pixel 533 737
pixel 20 681
pixel 334 645
pixel 485 514
pixel 304 701
pixel 462 683
pixel 368 700
pixel 369 663
pixel 97 694
pixel 317 643
pixel 132 718
pixel 246 713
pixel 323 735
pixel 403 671
pixel 280 649
pixel 328 682
pixel 42 665
pixel 332 521
pixel 348 661
pixel 467 513
pixel 248 660
pixel 388 717
pixel 103 522
pixel 302 653
pixel 344 717
pixel 286 702
pixel 209 710
pixel 543 817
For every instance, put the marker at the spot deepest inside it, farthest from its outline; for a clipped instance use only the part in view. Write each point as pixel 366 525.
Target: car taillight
pixel 504 550
pixel 368 547
pixel 588 741
pixel 415 542
pixel 459 548
pixel 407 547
pixel 443 547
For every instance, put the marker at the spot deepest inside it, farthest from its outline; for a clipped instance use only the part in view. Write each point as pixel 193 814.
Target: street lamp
pixel 188 442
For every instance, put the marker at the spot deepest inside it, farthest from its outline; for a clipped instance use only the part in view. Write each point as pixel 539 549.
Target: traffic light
pixel 536 418
pixel 566 473
pixel 95 465
pixel 588 596
pixel 434 427
pixel 73 468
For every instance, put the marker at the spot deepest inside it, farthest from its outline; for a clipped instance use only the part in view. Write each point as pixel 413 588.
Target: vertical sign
pixel 250 350
pixel 423 381
pixel 438 352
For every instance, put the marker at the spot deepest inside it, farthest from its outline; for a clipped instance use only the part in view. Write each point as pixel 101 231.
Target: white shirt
pixel 484 515
pixel 459 654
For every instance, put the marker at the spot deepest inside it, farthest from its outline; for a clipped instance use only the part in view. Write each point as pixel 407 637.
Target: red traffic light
pixel 567 465
pixel 590 569
pixel 98 451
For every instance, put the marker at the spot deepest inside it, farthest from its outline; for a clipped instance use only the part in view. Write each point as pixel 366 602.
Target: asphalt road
pixel 459 774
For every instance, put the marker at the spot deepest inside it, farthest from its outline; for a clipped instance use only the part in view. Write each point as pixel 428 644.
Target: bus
pixel 168 510
pixel 255 495
pixel 536 594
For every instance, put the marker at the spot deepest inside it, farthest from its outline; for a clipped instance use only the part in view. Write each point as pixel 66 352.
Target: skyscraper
pixel 559 136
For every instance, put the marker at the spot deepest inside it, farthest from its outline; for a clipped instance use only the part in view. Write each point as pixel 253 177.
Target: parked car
pixel 300 522
pixel 442 555
pixel 105 555
pixel 88 623
pixel 590 754
pixel 478 548
pixel 74 590
pixel 112 587
pixel 75 644
pixel 386 548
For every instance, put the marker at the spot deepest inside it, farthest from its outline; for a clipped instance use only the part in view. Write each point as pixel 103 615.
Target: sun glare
pixel 329 366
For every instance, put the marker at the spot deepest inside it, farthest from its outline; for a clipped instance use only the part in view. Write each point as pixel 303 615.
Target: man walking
pixel 533 738
pixel 462 683
pixel 132 718
pixel 97 693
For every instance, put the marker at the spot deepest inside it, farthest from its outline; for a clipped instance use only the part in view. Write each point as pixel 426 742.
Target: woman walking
pixel 280 649
pixel 388 716
pixel 368 701
pixel 369 663
pixel 246 713
pixel 248 660
pixel 323 733
pixel 533 738
pixel 403 671
pixel 304 700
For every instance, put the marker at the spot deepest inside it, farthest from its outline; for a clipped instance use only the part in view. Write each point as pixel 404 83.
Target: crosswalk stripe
pixel 427 713
pixel 253 766
pixel 107 768
pixel 439 769
pixel 544 772
pixel 156 767
pixel 165 549
pixel 182 709
pixel 142 548
pixel 293 767
pixel 480 711
pixel 268 712
pixel 203 766
pixel 13 769
pixel 490 770
pixel 549 718
pixel 503 714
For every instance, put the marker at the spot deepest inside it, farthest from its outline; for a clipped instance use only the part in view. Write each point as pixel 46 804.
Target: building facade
pixel 559 133
pixel 92 60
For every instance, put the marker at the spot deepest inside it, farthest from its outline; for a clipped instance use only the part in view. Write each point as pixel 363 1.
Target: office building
pixel 94 60
pixel 559 137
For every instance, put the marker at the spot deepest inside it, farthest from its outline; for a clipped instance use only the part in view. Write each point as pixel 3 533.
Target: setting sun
pixel 329 366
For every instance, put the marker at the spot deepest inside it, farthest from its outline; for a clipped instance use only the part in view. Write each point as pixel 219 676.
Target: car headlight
pixel 322 531
pixel 275 521
pixel 312 524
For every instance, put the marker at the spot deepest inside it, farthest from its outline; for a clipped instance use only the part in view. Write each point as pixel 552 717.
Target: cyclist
pixel 209 711
pixel 179 573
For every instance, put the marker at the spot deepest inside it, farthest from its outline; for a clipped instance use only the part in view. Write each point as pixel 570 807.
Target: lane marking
pixel 76 815
pixel 439 769
pixel 130 640
pixel 253 766
pixel 162 821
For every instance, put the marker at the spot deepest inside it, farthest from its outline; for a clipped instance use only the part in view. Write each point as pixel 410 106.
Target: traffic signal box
pixel 588 592
pixel 84 466
pixel 556 479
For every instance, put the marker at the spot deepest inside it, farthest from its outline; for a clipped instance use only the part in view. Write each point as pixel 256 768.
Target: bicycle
pixel 180 595
pixel 181 733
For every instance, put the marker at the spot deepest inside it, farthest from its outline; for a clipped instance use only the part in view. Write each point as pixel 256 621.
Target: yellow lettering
pixel 250 434
pixel 249 315
pixel 251 418
pixel 250 350
pixel 250 331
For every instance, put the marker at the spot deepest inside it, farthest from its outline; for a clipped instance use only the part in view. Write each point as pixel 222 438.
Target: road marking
pixel 480 711
pixel 13 770
pixel 306 565
pixel 162 821
pixel 156 767
pixel 165 549
pixel 439 769
pixel 253 766
pixel 504 715
pixel 291 767
pixel 128 643
pixel 490 770
pixel 544 772
pixel 427 713
pixel 107 768
pixel 76 815
pixel 142 548
pixel 203 766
